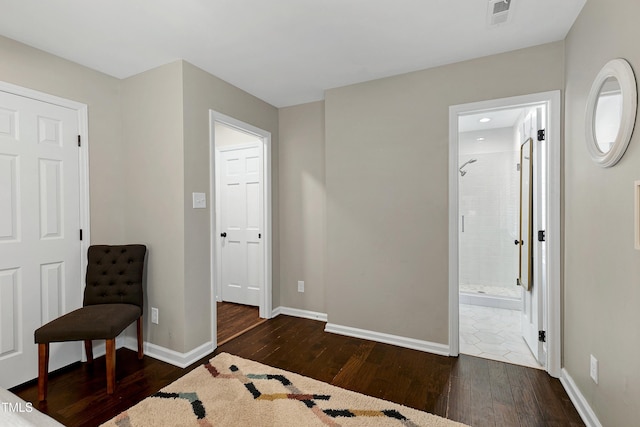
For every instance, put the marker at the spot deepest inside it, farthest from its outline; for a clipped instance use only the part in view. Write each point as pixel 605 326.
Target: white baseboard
pixel 100 348
pixel 405 342
pixel 181 360
pixel 490 301
pixel 295 312
pixel 582 406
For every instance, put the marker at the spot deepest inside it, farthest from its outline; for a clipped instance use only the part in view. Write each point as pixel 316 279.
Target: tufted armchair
pixel 112 301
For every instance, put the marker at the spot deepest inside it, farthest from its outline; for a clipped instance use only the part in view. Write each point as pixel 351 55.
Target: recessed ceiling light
pixel 480 139
pixel 485 120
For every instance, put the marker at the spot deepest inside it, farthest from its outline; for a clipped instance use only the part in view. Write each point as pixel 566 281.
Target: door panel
pixel 40 276
pixel 8 198
pixel 241 219
pixel 532 217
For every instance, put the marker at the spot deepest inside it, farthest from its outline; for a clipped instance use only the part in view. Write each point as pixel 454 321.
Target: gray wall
pixel 166 128
pixel 34 69
pixel 386 185
pixel 228 136
pixel 601 269
pixel 203 92
pixel 302 206
pixel 153 135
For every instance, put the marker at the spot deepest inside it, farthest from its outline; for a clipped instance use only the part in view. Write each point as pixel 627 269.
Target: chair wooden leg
pixel 88 349
pixel 111 365
pixel 43 370
pixel 139 327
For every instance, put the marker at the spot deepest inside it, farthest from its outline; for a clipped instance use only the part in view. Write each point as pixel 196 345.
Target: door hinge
pixel 541 236
pixel 79 141
pixel 81 234
pixel 542 336
pixel 542 134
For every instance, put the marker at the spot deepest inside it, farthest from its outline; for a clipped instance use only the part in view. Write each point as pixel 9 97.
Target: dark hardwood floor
pixel 235 319
pixel 475 391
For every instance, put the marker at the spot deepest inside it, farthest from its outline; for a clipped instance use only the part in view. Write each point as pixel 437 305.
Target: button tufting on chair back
pixel 114 275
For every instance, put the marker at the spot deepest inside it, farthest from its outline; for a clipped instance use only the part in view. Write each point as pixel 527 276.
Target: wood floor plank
pixel 468 389
pixel 459 408
pixel 233 319
pixel 552 409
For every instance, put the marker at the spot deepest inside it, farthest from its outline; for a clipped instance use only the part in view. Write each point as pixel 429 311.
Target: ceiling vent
pixel 498 12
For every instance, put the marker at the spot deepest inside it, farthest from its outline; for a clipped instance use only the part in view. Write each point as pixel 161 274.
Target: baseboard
pixel 490 301
pixel 181 360
pixel 100 347
pixel 295 312
pixel 582 406
pixel 405 342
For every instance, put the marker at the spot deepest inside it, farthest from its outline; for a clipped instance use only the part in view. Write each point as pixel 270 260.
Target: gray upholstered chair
pixel 112 301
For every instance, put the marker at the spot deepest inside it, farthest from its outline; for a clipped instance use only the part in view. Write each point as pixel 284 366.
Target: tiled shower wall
pixel 489 201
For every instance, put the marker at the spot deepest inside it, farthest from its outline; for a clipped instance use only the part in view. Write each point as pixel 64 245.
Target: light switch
pixel 199 200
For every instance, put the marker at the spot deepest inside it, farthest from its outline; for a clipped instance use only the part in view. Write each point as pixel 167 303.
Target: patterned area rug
pixel 230 391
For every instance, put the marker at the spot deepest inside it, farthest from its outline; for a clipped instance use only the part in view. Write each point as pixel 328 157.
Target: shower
pixel 463 172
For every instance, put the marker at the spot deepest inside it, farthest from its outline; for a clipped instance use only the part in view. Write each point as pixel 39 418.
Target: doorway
pixel 241 226
pixel 492 314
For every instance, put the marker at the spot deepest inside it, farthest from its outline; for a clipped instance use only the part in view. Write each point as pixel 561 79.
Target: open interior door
pixel 531 272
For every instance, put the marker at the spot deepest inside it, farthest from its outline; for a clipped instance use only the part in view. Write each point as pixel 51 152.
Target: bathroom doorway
pixel 494 190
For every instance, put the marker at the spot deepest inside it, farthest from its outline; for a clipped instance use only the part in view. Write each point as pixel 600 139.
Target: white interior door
pixel 532 214
pixel 40 251
pixel 241 223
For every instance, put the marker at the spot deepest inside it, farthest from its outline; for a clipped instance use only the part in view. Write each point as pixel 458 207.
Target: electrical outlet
pixel 154 315
pixel 300 285
pixel 594 369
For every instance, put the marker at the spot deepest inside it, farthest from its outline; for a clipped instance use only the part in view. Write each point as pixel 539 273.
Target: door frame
pixel 83 171
pixel 265 137
pixel 552 301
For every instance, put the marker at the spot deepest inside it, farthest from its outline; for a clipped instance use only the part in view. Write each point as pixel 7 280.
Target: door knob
pixel 518 242
pixel 223 234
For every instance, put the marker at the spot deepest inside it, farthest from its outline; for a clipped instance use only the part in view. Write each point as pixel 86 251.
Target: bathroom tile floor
pixel 494 333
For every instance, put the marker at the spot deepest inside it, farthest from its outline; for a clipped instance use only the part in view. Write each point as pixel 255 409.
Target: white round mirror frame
pixel 621 70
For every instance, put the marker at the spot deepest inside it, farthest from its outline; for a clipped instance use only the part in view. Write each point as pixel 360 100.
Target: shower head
pixel 463 172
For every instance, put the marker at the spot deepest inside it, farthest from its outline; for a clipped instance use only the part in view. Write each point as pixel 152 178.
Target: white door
pixel 533 268
pixel 241 223
pixel 40 276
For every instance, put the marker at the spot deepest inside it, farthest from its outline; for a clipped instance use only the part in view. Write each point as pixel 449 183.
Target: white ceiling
pixel 498 119
pixel 285 52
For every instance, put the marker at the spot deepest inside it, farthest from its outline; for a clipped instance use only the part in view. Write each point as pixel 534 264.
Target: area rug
pixel 231 391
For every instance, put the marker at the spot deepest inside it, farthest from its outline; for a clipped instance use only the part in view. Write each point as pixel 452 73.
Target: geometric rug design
pixel 231 391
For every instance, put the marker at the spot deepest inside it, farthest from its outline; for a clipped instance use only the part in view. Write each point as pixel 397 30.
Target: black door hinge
pixel 542 134
pixel 542 336
pixel 81 234
pixel 79 141
pixel 541 235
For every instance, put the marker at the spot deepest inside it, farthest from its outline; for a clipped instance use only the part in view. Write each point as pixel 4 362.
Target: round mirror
pixel 611 112
pixel 608 114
